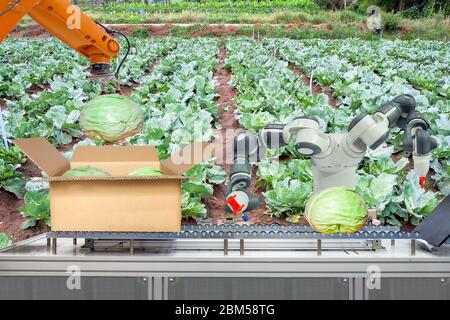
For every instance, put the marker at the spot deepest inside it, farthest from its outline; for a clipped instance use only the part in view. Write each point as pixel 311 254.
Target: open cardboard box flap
pixel 44 155
pixel 52 162
pixel 115 154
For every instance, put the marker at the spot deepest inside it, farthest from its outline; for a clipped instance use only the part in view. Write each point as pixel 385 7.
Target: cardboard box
pixel 118 203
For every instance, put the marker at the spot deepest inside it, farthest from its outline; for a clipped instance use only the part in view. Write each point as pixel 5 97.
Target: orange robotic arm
pixel 67 23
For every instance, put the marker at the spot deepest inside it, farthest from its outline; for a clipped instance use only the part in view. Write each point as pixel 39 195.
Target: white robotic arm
pixel 335 157
pixel 372 130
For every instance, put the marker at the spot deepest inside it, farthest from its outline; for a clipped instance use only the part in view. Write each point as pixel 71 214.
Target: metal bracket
pixel 225 247
pixel 374 245
pixel 54 245
pixel 413 247
pixel 88 246
pixel 131 246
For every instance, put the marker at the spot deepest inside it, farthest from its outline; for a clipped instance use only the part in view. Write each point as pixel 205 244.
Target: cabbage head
pixel 111 118
pixel 336 210
pixel 86 171
pixel 145 172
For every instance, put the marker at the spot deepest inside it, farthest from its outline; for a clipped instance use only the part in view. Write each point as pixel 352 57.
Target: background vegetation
pixel 405 19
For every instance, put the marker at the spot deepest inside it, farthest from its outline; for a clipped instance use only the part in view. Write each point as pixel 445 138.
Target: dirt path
pixel 230 126
pixel 226 107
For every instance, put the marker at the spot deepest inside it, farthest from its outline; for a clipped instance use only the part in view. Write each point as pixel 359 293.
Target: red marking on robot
pixel 422 182
pixel 235 206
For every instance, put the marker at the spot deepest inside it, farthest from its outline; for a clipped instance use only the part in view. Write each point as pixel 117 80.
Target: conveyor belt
pixel 236 231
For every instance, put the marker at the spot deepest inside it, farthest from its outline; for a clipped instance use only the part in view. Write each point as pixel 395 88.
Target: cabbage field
pixel 43 85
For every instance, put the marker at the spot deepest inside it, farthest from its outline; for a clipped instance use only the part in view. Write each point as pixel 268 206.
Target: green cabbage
pixel 111 118
pixel 336 210
pixel 145 172
pixel 86 172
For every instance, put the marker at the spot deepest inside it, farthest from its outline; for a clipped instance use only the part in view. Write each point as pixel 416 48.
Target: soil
pixel 11 219
pixel 216 31
pixel 36 89
pixel 127 90
pixel 226 107
pixel 323 26
pixel 291 26
pixel 404 29
pixel 160 30
pixel 30 31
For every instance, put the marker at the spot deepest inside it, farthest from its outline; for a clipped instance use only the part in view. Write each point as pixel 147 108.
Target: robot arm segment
pixel 309 140
pixel 372 130
pixel 68 24
pixel 335 156
pixel 246 150
pixel 250 148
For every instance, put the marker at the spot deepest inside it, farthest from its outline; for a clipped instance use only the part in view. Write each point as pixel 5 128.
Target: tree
pixel 334 4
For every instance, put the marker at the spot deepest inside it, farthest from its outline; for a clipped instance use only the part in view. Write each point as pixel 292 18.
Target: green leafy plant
pixel 12 156
pixel 36 208
pixel 140 33
pixel 379 193
pixel 198 186
pixel 268 90
pixel 441 170
pixel 418 202
pixel 111 118
pixel 288 185
pixel 5 240
pixel 380 161
pixel 178 97
pixel 192 206
pixel 270 171
pixel 288 197
pixel 11 180
pixel 391 21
